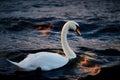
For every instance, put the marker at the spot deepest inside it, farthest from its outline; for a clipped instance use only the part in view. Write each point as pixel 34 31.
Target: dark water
pixel 30 26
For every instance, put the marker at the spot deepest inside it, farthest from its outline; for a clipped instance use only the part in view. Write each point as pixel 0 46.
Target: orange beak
pixel 78 31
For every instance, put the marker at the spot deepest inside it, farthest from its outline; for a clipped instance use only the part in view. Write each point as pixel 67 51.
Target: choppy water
pixel 30 26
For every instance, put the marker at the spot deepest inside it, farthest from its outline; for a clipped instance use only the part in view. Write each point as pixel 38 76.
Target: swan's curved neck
pixel 66 48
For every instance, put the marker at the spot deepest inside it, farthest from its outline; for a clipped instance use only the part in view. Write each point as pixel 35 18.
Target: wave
pixel 106 52
pixel 19 24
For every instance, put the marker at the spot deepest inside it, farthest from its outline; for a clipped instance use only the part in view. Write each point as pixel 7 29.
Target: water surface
pixel 30 26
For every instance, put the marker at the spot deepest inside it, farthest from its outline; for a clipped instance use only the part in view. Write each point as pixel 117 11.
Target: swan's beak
pixel 78 31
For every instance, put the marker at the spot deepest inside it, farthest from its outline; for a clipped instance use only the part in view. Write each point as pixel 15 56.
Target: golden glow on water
pixel 59 51
pixel 84 62
pixel 45 32
pixel 45 29
pixel 92 70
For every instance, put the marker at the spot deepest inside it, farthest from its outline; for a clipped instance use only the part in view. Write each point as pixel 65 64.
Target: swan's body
pixel 44 60
pixel 47 60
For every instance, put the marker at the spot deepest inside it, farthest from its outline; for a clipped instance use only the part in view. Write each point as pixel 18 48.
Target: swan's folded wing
pixel 49 61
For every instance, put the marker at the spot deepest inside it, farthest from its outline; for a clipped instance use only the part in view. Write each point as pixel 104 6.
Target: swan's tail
pixel 16 65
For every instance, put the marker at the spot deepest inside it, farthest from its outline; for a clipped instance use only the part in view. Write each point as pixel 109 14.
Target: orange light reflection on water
pixel 84 62
pixel 92 70
pixel 45 29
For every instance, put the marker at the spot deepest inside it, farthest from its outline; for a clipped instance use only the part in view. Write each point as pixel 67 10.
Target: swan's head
pixel 74 26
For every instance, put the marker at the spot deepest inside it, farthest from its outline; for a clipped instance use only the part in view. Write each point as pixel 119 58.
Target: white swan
pixel 47 60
